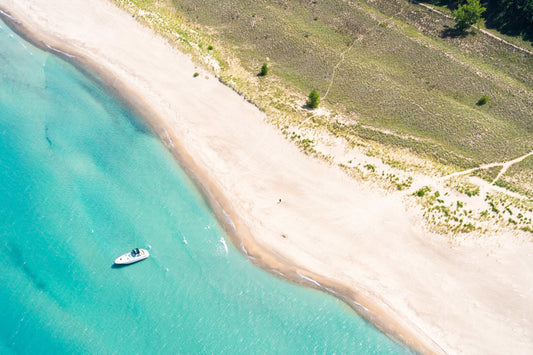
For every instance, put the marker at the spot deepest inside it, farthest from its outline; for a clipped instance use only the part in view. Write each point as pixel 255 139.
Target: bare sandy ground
pixel 328 231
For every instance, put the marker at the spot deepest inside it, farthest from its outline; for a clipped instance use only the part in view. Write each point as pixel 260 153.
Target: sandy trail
pixel 476 298
pixel 505 166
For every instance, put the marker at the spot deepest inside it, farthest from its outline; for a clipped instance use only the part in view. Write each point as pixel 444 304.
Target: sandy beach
pixel 328 230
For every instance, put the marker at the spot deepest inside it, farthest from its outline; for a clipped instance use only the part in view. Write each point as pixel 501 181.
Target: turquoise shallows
pixel 83 180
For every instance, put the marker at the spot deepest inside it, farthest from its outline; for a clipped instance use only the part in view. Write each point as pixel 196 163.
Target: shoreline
pixel 235 229
pixel 229 220
pixel 359 297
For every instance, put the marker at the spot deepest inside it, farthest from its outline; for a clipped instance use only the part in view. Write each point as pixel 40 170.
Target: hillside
pixel 393 81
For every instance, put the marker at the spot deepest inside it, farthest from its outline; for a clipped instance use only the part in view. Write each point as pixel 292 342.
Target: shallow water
pixel 83 180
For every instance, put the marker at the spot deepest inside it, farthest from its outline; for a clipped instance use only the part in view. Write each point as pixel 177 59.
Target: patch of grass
pixel 487 174
pixel 503 184
pixel 370 167
pixel 422 192
pixel 423 105
pixel 519 177
pixel 467 228
pixel 390 88
pixel 527 229
pixel 493 207
pixel 423 148
pixel 468 189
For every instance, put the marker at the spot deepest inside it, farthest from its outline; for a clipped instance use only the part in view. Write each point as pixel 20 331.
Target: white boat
pixel 132 257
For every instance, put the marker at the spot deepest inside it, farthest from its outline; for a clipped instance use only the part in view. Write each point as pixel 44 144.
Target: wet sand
pixel 328 231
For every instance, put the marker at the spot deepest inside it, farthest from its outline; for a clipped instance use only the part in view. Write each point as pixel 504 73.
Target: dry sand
pixel 476 298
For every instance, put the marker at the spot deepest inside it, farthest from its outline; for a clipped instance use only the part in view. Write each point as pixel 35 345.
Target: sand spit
pixel 328 231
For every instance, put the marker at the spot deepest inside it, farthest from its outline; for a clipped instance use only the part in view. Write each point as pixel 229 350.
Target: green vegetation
pixel 195 75
pixel 314 99
pixel 422 192
pixel 488 174
pixel 468 14
pixel 370 167
pixel 519 177
pixel 467 189
pixel 388 89
pixel 482 100
pixel 387 69
pixel 511 17
pixel 264 70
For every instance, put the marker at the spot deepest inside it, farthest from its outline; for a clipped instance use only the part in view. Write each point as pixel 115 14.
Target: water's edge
pixel 377 314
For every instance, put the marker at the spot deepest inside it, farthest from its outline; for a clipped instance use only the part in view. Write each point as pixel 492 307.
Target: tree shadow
pixel 454 32
pixel 308 107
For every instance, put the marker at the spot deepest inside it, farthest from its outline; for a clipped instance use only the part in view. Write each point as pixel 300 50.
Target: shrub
pixel 468 189
pixel 370 167
pixel 264 70
pixel 210 48
pixel 482 100
pixel 314 99
pixel 195 75
pixel 422 191
pixel 468 14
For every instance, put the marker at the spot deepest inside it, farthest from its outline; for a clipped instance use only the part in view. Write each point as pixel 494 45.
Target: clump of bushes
pixel 370 167
pixel 422 192
pixel 314 99
pixel 482 100
pixel 468 189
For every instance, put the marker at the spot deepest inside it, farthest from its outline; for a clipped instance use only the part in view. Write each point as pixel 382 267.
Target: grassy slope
pixel 395 69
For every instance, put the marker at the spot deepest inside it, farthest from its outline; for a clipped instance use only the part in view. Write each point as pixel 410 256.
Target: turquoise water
pixel 83 180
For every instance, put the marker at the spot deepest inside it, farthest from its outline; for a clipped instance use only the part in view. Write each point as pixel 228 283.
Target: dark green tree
pixel 264 70
pixel 513 16
pixel 314 99
pixel 468 14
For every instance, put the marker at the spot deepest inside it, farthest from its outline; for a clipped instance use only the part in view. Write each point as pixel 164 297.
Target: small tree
pixel 468 14
pixel 482 100
pixel 314 99
pixel 264 70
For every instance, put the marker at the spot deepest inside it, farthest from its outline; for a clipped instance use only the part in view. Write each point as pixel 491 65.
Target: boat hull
pixel 130 258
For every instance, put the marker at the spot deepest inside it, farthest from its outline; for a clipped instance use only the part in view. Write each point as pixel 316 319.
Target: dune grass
pixel 392 65
pixel 519 178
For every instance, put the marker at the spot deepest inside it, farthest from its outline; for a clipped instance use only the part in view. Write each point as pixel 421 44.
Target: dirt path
pixel 505 166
